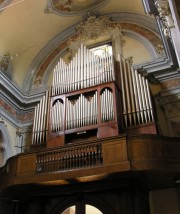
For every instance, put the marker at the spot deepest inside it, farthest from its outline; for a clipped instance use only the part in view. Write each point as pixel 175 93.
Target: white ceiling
pixel 25 29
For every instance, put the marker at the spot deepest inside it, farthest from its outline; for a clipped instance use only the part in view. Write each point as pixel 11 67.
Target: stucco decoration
pixel 93 27
pixel 72 7
pixel 165 15
pixel 5 61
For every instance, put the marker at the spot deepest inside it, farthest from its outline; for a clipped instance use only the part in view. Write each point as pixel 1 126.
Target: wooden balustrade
pixel 69 158
pixel 93 160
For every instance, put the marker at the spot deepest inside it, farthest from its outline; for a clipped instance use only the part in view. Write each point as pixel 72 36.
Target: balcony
pixel 156 158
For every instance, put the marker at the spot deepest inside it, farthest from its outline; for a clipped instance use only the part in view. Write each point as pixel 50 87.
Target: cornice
pixel 142 20
pixel 16 97
pixel 13 120
pixel 17 106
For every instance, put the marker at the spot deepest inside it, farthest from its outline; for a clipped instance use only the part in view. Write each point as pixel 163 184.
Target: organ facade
pixel 93 93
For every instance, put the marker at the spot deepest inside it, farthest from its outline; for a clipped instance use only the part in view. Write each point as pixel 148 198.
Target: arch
pixel 94 201
pixel 108 88
pixel 5 144
pixel 150 47
pixel 47 57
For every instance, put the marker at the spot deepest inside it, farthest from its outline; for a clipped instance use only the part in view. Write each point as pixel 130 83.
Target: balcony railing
pixel 69 158
pixel 93 160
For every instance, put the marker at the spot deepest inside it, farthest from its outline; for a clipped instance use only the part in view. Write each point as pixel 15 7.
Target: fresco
pixel 75 6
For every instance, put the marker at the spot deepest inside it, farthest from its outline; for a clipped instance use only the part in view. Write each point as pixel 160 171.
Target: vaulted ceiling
pixel 27 26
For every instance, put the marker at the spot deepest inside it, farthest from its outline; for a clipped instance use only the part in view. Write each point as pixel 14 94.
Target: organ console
pixel 90 93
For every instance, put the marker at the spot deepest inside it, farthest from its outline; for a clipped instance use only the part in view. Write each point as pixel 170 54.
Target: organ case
pixel 84 97
pixel 91 93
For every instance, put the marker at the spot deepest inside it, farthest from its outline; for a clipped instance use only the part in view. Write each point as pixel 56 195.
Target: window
pixel 81 208
pixel 102 50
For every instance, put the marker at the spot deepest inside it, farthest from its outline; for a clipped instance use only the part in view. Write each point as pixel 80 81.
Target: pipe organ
pixel 136 99
pixel 92 93
pixel 40 121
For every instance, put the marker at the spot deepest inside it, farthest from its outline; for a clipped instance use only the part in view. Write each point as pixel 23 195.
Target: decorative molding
pixel 165 15
pixel 16 106
pixel 19 116
pixel 10 91
pixel 5 61
pixel 93 27
pixel 142 39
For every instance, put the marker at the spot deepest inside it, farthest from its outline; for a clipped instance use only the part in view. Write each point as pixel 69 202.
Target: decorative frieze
pixel 19 116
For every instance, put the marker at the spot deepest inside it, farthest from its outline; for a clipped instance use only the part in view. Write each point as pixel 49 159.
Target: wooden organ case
pixel 94 98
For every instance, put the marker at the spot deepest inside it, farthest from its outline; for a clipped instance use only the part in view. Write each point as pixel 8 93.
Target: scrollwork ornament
pixel 5 62
pixel 93 27
pixel 165 15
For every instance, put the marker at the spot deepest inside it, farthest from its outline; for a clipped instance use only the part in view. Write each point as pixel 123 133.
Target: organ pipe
pixel 40 118
pixel 82 72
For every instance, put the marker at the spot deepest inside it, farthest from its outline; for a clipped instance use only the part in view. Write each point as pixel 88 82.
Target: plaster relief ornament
pixel 5 61
pixel 37 81
pixel 165 15
pixel 93 27
pixel 160 50
pixel 71 7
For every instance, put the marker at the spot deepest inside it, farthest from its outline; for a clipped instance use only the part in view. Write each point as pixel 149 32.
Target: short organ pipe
pixel 84 70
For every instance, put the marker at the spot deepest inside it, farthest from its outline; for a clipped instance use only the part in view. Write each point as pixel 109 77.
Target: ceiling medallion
pixel 73 7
